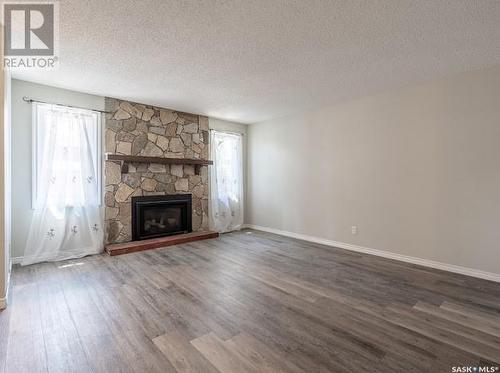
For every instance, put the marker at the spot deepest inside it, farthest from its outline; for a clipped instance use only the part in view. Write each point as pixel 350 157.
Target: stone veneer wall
pixel 136 129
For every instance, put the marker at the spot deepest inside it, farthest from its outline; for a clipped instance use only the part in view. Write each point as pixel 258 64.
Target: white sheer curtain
pixel 226 181
pixel 67 217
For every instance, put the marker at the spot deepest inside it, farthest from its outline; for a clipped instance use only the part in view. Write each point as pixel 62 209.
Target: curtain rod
pixel 228 132
pixel 30 100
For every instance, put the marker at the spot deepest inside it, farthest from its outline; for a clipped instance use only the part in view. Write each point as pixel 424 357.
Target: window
pixel 226 181
pixel 66 156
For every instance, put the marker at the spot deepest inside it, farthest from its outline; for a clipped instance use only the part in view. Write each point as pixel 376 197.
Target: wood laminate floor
pixel 246 302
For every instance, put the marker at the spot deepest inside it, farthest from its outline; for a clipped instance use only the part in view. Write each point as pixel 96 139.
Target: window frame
pixel 241 150
pixel 35 131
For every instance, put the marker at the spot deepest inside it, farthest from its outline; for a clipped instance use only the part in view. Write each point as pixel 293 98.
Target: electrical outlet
pixel 354 229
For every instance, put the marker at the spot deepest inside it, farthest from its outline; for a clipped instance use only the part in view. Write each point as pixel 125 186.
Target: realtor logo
pixel 31 35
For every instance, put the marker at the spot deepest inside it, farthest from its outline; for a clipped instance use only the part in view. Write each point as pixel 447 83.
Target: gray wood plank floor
pixel 246 302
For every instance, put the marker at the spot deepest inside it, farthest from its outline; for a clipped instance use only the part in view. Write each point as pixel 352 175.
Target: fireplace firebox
pixel 158 216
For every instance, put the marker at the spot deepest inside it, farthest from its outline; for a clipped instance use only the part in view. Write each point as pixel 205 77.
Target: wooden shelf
pixel 155 243
pixel 126 159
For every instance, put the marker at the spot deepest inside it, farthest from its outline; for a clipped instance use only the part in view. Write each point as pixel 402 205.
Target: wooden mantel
pixel 126 159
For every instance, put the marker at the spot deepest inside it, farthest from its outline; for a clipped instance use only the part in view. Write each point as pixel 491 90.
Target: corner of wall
pixel 5 196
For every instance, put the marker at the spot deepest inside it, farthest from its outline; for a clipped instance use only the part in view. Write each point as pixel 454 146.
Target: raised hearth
pixel 155 243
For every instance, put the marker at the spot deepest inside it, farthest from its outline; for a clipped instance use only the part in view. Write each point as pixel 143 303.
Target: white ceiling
pixel 252 60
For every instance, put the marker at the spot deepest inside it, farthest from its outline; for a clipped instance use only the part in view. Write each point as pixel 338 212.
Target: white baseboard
pixel 3 301
pixel 385 254
pixel 16 260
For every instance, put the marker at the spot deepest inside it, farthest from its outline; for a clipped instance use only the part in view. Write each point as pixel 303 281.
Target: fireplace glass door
pixel 158 216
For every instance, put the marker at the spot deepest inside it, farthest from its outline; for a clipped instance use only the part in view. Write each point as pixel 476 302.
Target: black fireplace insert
pixel 158 216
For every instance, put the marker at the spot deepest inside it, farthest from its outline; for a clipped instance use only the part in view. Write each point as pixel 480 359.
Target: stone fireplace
pixel 142 130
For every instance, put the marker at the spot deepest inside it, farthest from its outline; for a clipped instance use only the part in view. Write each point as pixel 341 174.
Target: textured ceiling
pixel 251 60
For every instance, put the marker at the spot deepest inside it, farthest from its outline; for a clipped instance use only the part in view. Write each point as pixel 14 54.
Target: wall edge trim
pixel 385 254
pixel 16 260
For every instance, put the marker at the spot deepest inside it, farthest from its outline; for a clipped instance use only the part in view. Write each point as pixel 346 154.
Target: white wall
pixel 5 167
pixel 415 169
pixel 21 149
pixel 224 125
